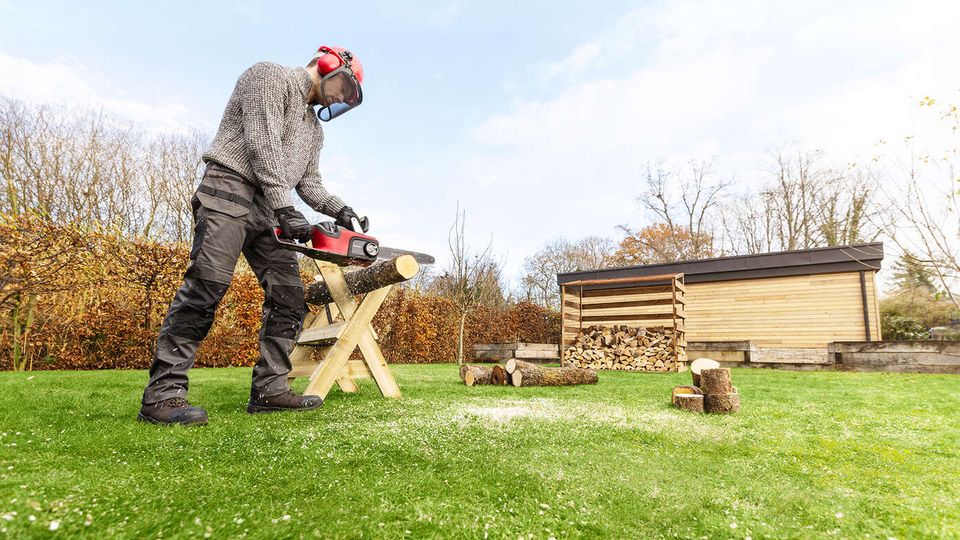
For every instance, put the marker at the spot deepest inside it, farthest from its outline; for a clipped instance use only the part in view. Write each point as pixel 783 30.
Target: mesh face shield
pixel 342 92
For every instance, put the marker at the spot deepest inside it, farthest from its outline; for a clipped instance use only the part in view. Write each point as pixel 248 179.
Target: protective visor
pixel 341 90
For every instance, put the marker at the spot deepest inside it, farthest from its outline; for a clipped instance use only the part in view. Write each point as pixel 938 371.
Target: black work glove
pixel 293 224
pixel 347 215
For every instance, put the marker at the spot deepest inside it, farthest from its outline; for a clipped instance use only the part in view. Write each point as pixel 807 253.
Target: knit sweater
pixel 270 136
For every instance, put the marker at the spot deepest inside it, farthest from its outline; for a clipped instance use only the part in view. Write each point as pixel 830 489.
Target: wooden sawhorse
pixel 328 340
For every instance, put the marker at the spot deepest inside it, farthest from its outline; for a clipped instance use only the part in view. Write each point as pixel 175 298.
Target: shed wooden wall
pixel 796 311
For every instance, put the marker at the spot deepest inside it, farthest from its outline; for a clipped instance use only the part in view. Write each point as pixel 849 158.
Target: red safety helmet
pixel 341 75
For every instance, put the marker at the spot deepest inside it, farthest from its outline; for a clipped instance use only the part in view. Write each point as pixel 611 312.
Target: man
pixel 268 142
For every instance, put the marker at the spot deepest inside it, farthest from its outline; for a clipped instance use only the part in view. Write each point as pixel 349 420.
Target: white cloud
pixel 67 80
pixel 688 80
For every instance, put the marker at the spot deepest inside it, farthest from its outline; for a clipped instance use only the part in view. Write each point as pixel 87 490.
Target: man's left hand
pixel 347 215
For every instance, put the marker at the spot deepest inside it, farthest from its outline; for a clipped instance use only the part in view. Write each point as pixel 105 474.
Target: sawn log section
pixel 367 279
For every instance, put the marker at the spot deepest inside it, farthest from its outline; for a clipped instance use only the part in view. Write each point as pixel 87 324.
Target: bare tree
pixel 748 224
pixel 845 210
pixel 806 204
pixel 539 281
pixel 687 200
pixel 923 215
pixel 471 278
pixel 86 167
pixel 791 196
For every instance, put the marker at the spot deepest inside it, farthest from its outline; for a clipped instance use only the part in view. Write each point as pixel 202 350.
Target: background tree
pixel 804 204
pixel 661 243
pixel 539 279
pixel 922 215
pixel 471 278
pixel 686 201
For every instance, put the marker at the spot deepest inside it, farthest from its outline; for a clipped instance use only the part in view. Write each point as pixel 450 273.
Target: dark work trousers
pixel 231 216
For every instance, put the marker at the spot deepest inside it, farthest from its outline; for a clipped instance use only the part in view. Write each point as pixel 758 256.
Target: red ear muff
pixel 328 62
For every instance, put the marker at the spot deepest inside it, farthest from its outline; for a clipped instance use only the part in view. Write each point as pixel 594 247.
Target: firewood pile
pixel 519 373
pixel 712 390
pixel 626 348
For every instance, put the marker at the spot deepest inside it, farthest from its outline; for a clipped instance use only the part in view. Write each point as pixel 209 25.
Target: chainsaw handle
pixel 360 225
pixel 278 236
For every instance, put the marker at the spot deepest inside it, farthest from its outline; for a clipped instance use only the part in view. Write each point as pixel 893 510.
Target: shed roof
pixel 827 260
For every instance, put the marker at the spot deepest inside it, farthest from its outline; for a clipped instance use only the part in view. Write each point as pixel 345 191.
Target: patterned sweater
pixel 270 136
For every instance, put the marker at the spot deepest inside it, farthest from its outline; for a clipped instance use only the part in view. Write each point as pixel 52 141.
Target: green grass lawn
pixel 812 454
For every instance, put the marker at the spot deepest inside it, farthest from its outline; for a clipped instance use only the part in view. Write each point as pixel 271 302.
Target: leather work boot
pixel 287 401
pixel 173 411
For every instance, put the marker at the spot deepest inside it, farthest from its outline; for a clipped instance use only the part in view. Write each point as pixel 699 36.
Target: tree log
pixel 500 376
pixel 683 390
pixel 690 402
pixel 367 279
pixel 518 370
pixel 552 376
pixel 478 375
pixel 725 403
pixel 463 372
pixel 513 364
pixel 716 382
pixel 700 364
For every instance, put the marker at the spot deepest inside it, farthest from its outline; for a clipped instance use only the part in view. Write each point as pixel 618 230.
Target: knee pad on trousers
pixel 283 309
pixel 193 308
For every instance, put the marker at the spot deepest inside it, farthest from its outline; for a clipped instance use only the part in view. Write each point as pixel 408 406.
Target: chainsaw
pixel 339 245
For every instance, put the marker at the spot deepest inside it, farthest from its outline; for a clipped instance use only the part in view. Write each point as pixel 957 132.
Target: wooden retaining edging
pixel 897 356
pixel 497 352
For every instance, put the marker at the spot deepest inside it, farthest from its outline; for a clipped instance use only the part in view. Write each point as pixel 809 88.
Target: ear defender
pixel 327 62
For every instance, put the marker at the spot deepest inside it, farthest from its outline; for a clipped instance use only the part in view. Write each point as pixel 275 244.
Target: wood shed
pixel 777 302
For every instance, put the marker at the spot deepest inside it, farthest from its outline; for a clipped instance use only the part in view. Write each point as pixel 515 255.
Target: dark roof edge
pixel 832 259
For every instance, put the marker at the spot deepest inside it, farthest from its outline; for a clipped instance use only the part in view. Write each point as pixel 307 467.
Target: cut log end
pixel 699 365
pixel 406 266
pixel 683 390
pixel 475 375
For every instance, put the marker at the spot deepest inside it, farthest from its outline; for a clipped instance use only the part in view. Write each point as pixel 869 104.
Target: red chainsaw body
pixel 332 243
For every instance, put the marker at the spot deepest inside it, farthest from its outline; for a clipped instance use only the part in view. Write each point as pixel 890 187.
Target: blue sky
pixel 534 116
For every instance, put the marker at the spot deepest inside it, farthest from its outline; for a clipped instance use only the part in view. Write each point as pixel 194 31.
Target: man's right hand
pixel 293 224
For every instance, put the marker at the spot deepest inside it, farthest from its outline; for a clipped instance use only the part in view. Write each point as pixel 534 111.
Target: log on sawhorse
pixel 329 338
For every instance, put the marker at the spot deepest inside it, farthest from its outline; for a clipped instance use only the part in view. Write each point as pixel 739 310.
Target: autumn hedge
pixel 86 298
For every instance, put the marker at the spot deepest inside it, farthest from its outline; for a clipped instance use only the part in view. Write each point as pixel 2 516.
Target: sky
pixel 534 117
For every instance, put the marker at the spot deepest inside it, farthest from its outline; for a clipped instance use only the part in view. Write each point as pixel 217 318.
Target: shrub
pixel 901 327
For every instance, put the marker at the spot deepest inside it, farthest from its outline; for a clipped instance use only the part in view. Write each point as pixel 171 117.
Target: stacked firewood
pixel 625 348
pixel 712 390
pixel 519 373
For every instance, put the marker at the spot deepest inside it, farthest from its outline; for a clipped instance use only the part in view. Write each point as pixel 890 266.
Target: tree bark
pixel 478 375
pixel 463 322
pixel 552 376
pixel 725 403
pixel 716 382
pixel 500 375
pixel 367 279
pixel 690 402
